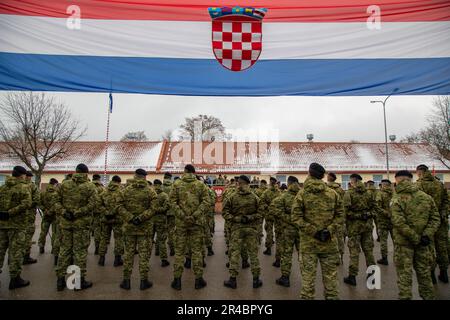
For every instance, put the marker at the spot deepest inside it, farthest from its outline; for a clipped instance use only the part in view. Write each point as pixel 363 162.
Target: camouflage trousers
pixel 74 245
pixel 244 237
pixel 171 231
pixel 268 227
pixel 341 239
pixel 13 241
pixel 209 231
pixel 106 231
pixel 278 245
pixel 356 242
pixel 96 230
pixel 329 265
pixel 285 244
pixel 419 258
pixel 29 233
pixel 383 234
pixel 160 229
pixel 440 243
pixel 227 233
pixel 143 245
pixel 192 238
pixel 47 223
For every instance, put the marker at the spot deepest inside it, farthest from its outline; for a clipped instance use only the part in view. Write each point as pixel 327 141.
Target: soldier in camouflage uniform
pixel 228 191
pixel 317 211
pixel 370 186
pixel 31 219
pixel 49 198
pixel 15 200
pixel 384 197
pixel 210 224
pixel 331 182
pixel 159 221
pixel 241 210
pixel 76 203
pixel 433 187
pixel 96 222
pixel 111 222
pixel 415 219
pixel 167 186
pixel 266 199
pixel 136 205
pixel 282 208
pixel 191 203
pixel 259 192
pixel 360 208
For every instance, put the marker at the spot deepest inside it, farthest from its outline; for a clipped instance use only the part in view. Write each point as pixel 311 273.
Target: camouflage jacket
pixel 79 196
pixel 136 200
pixel 317 207
pixel 384 197
pixel 167 187
pixel 414 214
pixel 36 201
pixel 337 187
pixel 227 192
pixel 259 192
pixel 161 205
pixel 15 198
pixel 49 198
pixel 109 204
pixel 242 202
pixel 266 199
pixel 190 201
pixel 212 195
pixel 357 202
pixel 98 212
pixel 282 208
pixel 433 187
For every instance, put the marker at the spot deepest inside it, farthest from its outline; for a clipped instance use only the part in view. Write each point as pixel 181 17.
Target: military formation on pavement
pixel 176 217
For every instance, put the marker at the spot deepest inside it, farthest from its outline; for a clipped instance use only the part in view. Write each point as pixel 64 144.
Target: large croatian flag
pixel 226 48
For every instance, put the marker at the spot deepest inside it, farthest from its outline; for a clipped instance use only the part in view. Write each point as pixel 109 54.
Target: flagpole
pixel 107 134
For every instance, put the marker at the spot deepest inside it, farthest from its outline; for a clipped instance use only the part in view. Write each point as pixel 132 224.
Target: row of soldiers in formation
pixel 314 219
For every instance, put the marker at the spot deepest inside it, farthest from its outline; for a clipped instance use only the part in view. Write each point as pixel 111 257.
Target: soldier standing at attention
pixel 159 222
pixel 266 198
pixel 290 238
pixel 317 210
pixel 31 219
pixel 96 223
pixel 331 182
pixel 241 210
pixel 415 219
pixel 191 203
pixel 370 186
pixel 359 210
pixel 167 186
pixel 384 197
pixel 15 200
pixel 433 187
pixel 135 208
pixel 76 202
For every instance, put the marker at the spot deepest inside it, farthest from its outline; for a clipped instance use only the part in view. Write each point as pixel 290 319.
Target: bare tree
pixel 168 135
pixel 437 132
pixel 36 129
pixel 411 138
pixel 134 136
pixel 202 128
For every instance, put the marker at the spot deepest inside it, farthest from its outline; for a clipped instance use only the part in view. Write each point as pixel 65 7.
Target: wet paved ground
pixel 106 280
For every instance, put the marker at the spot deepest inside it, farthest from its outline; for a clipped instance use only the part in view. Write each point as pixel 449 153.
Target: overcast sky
pixel 328 118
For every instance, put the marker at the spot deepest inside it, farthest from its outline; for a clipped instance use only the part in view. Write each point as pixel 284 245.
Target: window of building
pixel 377 179
pixel 104 179
pixel 345 181
pixel 2 179
pixel 281 178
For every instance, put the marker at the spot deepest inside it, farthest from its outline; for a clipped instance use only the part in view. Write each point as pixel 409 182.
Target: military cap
pixel 189 168
pixel 232 180
pixel 263 181
pixel 333 175
pixel 19 171
pixel 386 181
pixel 140 172
pixel 244 178
pixel 422 167
pixel 30 174
pixel 356 176
pixel 82 168
pixel 167 175
pixel 404 173
pixel 149 183
pixel 53 181
pixel 236 178
pixel 157 182
pixel 273 179
pixel 96 177
pixel 316 170
pixel 292 179
pixel 283 186
pixel 371 181
pixel 116 179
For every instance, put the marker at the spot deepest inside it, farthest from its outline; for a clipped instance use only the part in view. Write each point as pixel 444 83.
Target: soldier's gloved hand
pixel 69 216
pixel 244 219
pixel 136 221
pixel 4 215
pixel 326 235
pixel 424 241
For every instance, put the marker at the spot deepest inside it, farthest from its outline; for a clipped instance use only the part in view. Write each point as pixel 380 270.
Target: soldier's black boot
pixel 96 250
pixel 176 283
pixel 55 260
pixel 268 251
pixel 145 284
pixel 383 261
pixel 118 261
pixel 61 283
pixel 443 276
pixel 157 251
pixel 101 261
pixel 433 277
pixel 41 250
pixel 85 284
pixel 172 251
pixel 226 252
pixel 18 282
pixel 210 251
pixel 200 283
pixel 351 280
pixel 187 263
pixel 125 284
pixel 276 263
pixel 165 263
pixel 227 264
pixel 204 263
pixel 257 282
pixel 245 264
pixel 230 283
pixel 28 260
pixel 283 281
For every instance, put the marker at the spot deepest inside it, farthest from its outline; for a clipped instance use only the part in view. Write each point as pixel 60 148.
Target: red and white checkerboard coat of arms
pixel 237 41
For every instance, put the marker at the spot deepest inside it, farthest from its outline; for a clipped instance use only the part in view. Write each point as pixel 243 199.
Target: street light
pixel 385 128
